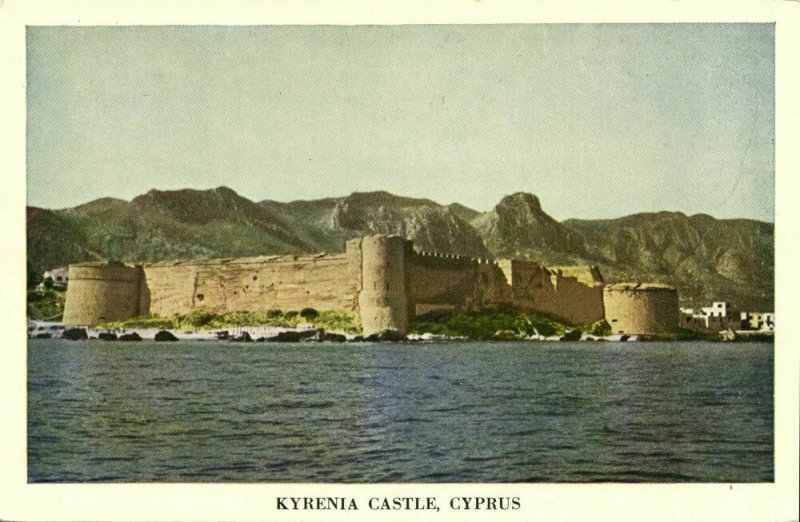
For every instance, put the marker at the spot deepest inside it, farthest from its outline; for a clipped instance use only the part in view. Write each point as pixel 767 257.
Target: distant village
pixel 721 317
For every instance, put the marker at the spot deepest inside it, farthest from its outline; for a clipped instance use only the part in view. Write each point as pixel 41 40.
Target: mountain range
pixel 705 258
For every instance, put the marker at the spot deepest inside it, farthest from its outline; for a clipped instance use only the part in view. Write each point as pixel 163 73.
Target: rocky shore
pixel 247 334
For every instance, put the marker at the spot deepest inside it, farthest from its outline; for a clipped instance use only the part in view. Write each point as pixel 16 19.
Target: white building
pixel 719 309
pixel 57 275
pixel 761 321
pixel 715 318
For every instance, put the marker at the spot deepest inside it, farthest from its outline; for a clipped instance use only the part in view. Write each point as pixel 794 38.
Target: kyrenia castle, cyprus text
pixel 381 278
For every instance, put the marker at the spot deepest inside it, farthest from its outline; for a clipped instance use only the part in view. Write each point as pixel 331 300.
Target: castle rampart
pixel 547 290
pixel 382 296
pixel 381 278
pixel 323 282
pixel 641 308
pixel 443 281
pixel 102 292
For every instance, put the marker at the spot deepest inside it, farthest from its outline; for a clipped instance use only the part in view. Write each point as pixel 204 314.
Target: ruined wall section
pixel 451 281
pixel 323 282
pixel 586 274
pixel 99 292
pixel 443 280
pixel 574 299
pixel 641 309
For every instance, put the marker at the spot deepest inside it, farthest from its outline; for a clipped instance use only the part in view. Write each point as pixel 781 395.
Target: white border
pixel 713 502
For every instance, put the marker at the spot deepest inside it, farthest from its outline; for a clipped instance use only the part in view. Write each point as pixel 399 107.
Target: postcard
pixel 346 262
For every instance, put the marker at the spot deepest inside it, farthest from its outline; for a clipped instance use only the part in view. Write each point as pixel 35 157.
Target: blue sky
pixel 599 120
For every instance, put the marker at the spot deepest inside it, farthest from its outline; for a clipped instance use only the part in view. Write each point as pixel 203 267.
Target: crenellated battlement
pixel 455 257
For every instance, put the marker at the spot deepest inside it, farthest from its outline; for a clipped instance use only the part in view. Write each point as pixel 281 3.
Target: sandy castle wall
pixel 448 281
pixel 381 278
pixel 547 290
pixel 102 292
pixel 642 309
pixel 382 294
pixel 254 284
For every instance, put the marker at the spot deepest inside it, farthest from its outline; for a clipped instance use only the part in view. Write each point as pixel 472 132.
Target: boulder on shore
pixel 133 336
pixel 165 335
pixel 571 335
pixel 75 334
pixel 317 335
pixel 387 335
pixel 334 338
pixel 107 336
pixel 285 337
pixel 243 337
pixel 292 336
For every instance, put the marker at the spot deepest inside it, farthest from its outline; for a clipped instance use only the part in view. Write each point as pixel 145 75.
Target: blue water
pixel 449 412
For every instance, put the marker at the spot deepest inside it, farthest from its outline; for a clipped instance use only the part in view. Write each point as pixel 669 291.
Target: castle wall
pixel 322 282
pixel 99 292
pixel 641 309
pixel 379 277
pixel 447 281
pixel 456 282
pixel 549 291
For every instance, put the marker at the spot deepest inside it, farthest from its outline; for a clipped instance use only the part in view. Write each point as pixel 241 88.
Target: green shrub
pixel 45 305
pixel 204 320
pixel 141 322
pixel 309 314
pixel 484 324
pixel 600 328
pixel 684 334
pixel 195 318
pixel 339 321
pixel 34 278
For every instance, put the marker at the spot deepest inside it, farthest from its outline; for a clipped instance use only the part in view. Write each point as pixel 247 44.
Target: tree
pixel 309 313
pixel 600 328
pixel 34 278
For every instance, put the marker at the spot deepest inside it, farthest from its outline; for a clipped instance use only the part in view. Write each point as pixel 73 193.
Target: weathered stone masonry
pixel 381 278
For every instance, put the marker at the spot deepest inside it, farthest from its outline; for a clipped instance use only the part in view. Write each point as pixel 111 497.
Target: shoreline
pixel 308 333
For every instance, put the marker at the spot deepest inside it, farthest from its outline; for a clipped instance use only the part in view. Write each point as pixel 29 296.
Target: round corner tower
pixel 382 300
pixel 641 309
pixel 99 292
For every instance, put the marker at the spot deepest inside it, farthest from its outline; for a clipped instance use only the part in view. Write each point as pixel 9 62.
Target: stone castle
pixel 381 278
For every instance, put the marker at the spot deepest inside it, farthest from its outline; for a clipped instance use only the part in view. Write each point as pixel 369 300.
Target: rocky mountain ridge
pixel 704 257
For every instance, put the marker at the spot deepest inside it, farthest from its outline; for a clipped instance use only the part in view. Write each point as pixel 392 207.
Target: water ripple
pixel 454 412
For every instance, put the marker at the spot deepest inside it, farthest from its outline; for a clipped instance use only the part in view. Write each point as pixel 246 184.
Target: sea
pixel 447 412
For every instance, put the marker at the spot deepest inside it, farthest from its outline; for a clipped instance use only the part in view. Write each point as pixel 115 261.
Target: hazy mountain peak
pixel 518 227
pixel 192 202
pixel 100 205
pixel 462 211
pixel 225 191
pixel 524 206
pixel 381 197
pixel 522 199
